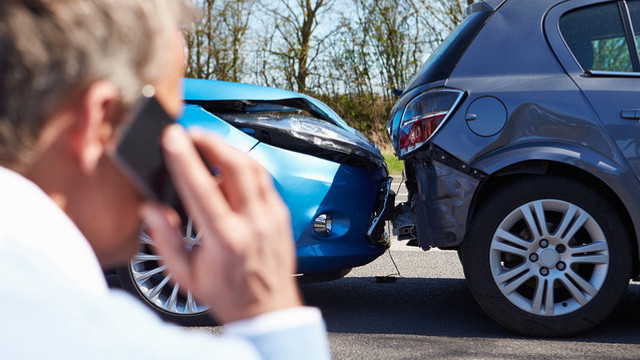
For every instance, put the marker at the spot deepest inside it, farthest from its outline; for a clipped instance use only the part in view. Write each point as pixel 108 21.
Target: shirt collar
pixel 32 221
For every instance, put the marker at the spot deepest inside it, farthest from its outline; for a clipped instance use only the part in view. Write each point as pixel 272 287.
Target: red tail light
pixel 420 130
pixel 424 116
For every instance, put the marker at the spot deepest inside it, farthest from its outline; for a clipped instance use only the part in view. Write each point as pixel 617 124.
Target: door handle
pixel 630 114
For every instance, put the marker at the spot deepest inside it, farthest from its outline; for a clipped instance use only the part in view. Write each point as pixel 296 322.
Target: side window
pixel 634 10
pixel 596 37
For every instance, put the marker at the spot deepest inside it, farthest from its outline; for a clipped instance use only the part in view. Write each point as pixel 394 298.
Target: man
pixel 70 72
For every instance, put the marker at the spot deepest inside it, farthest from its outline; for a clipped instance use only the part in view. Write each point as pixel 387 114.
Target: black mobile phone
pixel 139 155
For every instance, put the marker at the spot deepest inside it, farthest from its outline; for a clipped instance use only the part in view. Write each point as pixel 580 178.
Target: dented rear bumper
pixel 441 191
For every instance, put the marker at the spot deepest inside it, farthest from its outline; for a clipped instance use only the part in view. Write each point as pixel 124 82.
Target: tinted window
pixel 634 9
pixel 596 37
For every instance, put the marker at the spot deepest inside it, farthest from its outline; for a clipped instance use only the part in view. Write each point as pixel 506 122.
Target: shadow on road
pixel 438 307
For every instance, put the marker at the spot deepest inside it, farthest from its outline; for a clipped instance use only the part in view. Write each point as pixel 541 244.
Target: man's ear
pixel 94 128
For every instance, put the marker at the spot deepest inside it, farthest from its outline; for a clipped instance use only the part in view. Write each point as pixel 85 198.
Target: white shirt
pixel 55 303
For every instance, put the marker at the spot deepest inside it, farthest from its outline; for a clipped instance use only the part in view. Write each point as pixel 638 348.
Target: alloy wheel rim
pixel 549 257
pixel 149 276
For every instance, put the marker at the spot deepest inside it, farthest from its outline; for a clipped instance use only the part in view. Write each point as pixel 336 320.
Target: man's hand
pixel 244 264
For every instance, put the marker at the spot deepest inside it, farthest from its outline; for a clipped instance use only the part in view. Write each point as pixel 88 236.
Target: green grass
pixel 394 165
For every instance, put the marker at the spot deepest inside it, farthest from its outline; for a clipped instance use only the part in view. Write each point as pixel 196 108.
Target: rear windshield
pixel 441 63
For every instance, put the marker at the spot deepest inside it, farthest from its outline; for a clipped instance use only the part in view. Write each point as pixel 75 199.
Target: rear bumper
pixel 443 191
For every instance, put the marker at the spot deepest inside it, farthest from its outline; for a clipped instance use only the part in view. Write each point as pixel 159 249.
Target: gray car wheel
pixel 146 277
pixel 563 273
pixel 547 256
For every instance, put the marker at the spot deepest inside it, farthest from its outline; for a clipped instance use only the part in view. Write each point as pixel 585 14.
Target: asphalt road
pixel 428 313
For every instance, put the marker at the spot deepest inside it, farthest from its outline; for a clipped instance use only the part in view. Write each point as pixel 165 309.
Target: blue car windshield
pixel 441 63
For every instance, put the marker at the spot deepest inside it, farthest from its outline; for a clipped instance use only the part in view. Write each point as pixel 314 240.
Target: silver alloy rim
pixel 549 257
pixel 154 284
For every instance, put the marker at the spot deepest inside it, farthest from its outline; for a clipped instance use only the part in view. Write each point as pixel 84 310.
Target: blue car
pixel 333 179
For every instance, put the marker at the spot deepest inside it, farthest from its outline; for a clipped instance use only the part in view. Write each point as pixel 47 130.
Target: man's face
pixel 113 222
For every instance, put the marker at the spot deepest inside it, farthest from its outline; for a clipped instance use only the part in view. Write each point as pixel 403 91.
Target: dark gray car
pixel 521 141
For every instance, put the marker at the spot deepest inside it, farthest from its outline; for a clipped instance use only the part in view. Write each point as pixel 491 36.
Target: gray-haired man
pixel 70 70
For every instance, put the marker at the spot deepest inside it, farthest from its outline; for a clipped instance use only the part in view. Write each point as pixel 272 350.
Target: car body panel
pixel 610 104
pixel 508 77
pixel 555 113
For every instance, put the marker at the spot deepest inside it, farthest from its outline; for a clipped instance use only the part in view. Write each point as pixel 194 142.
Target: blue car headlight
pixel 307 135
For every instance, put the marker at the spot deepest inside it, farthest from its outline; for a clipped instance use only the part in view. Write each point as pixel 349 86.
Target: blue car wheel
pixel 331 177
pixel 145 276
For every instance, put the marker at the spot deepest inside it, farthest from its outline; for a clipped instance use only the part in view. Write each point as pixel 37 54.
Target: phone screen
pixel 139 154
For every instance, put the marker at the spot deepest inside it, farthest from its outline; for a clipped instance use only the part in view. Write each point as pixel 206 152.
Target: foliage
pixel 366 113
pixel 394 165
pixel 215 42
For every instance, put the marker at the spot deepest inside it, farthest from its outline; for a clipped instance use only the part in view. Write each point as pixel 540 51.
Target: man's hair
pixel 51 49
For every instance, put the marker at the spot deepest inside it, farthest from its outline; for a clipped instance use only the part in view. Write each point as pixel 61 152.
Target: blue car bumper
pixel 312 186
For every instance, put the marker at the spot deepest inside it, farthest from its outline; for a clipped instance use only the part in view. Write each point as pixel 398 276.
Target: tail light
pixel 424 116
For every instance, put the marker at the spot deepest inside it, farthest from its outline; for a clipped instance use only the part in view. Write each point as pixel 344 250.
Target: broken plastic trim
pixel 293 125
pixel 383 212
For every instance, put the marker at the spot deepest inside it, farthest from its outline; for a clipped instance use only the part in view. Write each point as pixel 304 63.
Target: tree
pixel 380 45
pixel 444 14
pixel 396 39
pixel 215 43
pixel 350 63
pixel 296 23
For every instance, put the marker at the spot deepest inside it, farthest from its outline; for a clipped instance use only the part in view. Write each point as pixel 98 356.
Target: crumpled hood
pixel 213 90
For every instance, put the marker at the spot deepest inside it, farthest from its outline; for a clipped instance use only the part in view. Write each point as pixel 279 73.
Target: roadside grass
pixel 394 165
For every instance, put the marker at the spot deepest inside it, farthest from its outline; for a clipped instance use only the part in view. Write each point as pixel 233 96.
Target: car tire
pixel 557 281
pixel 145 277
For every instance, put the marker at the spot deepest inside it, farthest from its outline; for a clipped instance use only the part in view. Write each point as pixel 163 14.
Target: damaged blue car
pixel 333 179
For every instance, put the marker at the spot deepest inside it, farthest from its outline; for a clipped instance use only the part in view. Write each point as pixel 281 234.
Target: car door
pixel 602 59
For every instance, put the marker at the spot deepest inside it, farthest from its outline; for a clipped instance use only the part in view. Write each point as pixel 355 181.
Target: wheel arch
pixel 509 166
